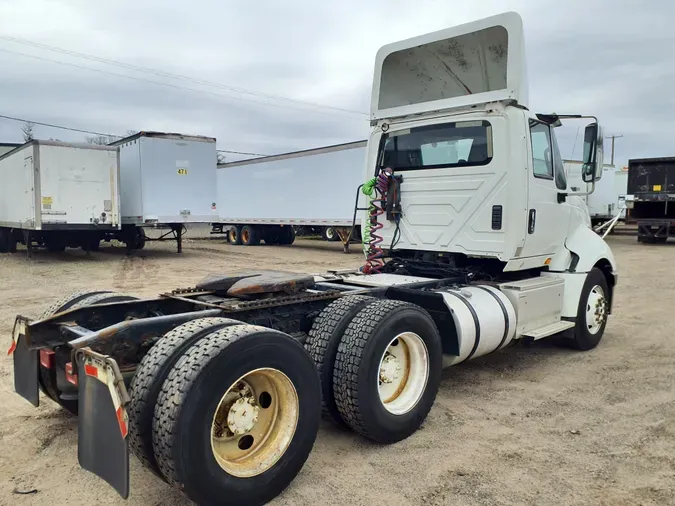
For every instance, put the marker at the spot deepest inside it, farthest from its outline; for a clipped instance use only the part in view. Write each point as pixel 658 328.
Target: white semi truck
pixel 476 243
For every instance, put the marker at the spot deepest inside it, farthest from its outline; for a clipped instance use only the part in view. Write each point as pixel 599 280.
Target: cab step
pixel 549 330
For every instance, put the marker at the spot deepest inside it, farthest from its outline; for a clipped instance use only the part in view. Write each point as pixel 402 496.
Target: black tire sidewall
pixel 389 426
pixel 253 236
pixel 329 359
pixel 584 340
pixel 192 452
pixel 4 240
pixel 145 420
pixel 237 236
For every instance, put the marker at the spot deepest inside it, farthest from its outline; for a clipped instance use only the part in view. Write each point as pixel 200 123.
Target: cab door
pixel 548 217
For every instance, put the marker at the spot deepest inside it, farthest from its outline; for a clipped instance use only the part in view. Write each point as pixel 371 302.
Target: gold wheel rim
pixel 255 422
pixel 233 235
pixel 245 235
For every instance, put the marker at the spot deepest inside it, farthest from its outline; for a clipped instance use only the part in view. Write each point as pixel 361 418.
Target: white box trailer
pixel 167 180
pixel 58 195
pixel 6 147
pixel 261 198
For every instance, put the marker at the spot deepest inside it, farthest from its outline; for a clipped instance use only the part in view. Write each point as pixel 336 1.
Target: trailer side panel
pixel 314 188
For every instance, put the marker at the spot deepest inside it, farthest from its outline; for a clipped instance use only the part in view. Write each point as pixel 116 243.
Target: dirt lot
pixel 539 425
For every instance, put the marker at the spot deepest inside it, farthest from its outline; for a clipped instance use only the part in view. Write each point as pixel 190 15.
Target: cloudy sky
pixel 614 59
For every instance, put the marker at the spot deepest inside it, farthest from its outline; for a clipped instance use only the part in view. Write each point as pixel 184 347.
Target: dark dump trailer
pixel 650 198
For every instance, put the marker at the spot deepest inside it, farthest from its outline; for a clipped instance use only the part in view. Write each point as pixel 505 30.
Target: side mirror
pixel 593 154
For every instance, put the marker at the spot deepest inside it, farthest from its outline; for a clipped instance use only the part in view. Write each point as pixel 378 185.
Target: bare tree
pixel 27 130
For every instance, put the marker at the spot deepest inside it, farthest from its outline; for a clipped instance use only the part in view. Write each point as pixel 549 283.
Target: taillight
pixel 70 375
pixel 47 358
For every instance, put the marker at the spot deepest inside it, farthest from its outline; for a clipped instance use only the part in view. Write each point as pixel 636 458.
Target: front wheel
pixel 592 311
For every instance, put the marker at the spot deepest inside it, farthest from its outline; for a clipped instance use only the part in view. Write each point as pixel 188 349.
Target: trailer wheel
pixel 287 235
pixel 11 241
pixel 323 341
pixel 4 239
pixel 234 235
pixel 150 376
pixel 250 236
pixel 330 234
pixel 237 417
pixel 388 370
pixel 272 235
pixel 134 238
pixel 55 244
pixel 653 240
pixel 592 311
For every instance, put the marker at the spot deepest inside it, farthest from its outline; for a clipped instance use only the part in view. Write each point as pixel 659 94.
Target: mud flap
pixel 25 363
pixel 102 446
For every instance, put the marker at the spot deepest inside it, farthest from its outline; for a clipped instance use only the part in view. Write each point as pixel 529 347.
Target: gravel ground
pixel 536 425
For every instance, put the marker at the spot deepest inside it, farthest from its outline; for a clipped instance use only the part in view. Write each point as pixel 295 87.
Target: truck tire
pixel 11 240
pixel 46 377
pixel 234 235
pixel 592 312
pixel 388 370
pixel 134 238
pixel 287 235
pixel 55 244
pixel 330 234
pixel 323 341
pixel 150 376
pixel 103 298
pixel 272 235
pixel 250 235
pixel 235 394
pixel 4 239
pixel 66 302
pixel 653 240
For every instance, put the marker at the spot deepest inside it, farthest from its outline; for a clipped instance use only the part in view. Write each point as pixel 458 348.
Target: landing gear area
pixel 57 240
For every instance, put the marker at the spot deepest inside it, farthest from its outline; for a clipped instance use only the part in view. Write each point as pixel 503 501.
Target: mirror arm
pixel 581 194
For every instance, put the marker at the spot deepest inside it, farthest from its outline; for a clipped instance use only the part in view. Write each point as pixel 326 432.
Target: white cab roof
pixel 475 63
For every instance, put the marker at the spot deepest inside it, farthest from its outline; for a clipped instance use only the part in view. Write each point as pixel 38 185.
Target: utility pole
pixel 613 137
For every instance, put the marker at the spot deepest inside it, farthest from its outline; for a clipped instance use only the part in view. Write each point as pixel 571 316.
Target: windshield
pixel 461 144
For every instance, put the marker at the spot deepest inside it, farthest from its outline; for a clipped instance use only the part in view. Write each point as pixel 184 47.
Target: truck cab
pixel 478 177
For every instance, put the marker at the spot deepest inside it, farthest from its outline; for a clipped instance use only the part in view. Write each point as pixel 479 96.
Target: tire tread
pixel 143 383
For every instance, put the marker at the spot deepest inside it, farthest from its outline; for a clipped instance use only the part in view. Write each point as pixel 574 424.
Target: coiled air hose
pixel 376 190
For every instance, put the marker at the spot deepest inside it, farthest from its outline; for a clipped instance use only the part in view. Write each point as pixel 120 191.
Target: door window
pixel 546 157
pixel 540 136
